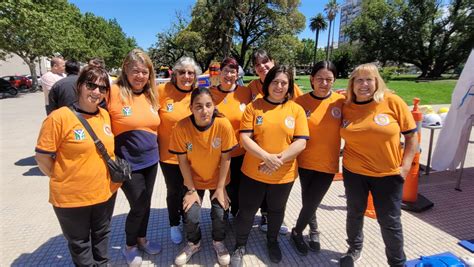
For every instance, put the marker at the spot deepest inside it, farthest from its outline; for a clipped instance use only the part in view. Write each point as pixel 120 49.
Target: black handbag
pixel 119 168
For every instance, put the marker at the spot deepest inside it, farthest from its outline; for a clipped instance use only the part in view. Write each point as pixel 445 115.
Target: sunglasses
pixel 183 72
pixel 91 86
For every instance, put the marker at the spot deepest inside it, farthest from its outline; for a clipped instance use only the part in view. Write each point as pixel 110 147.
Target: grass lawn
pixel 429 92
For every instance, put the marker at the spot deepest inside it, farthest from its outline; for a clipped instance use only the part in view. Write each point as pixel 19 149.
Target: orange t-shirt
pixel 135 126
pixel 371 132
pixel 174 106
pixel 232 104
pixel 256 87
pixel 79 176
pixel 203 147
pixel 274 127
pixel 324 121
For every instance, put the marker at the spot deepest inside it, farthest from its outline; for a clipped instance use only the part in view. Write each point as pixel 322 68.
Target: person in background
pixel 133 108
pixel 273 132
pixel 263 62
pixel 203 142
pixel 63 93
pixel 231 100
pixel 48 79
pixel 96 61
pixel 373 119
pixel 318 163
pixel 80 188
pixel 174 101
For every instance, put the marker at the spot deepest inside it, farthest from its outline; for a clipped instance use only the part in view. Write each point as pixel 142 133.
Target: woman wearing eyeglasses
pixel 318 163
pixel 81 192
pixel 174 100
pixel 133 108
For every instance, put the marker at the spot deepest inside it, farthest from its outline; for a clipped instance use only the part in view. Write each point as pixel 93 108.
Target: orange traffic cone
pixel 370 211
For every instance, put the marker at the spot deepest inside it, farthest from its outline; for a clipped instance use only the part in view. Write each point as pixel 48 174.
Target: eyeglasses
pixel 91 86
pixel 183 72
pixel 321 80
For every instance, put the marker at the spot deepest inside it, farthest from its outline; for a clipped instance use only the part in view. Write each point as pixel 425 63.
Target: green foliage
pixel 317 23
pixel 220 28
pixel 387 73
pixel 433 37
pixel 344 59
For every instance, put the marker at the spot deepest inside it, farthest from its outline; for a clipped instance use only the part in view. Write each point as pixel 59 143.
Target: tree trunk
pixel 30 61
pixel 315 47
pixel 332 40
pixel 329 40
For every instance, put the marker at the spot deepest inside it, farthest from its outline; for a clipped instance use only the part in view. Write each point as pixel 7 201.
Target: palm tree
pixel 331 8
pixel 316 24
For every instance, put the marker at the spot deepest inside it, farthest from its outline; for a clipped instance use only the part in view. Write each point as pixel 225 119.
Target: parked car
pixel 7 88
pixel 19 82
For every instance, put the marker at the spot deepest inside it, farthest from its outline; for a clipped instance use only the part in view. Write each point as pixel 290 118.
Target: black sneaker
pixel 236 259
pixel 313 242
pixel 274 251
pixel 348 259
pixel 298 242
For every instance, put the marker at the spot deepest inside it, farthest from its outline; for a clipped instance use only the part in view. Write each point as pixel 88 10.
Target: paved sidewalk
pixel 31 235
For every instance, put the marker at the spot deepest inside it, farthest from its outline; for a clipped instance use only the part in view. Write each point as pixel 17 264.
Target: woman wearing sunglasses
pixel 133 108
pixel 81 192
pixel 174 103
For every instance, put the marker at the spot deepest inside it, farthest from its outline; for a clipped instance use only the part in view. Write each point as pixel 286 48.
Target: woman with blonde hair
pixel 373 119
pixel 133 108
pixel 174 100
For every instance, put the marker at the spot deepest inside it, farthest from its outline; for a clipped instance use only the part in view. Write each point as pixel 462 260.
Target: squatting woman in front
pixel 273 131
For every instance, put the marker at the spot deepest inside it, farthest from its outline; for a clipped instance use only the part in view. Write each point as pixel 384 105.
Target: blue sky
pixel 143 19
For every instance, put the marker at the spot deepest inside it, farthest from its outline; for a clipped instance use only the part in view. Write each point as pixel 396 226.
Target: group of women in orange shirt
pixel 246 145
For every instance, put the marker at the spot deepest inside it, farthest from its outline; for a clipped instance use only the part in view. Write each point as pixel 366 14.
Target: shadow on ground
pixel 30 161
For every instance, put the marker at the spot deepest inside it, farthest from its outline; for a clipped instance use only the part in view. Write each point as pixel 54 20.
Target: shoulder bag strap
pixel 100 146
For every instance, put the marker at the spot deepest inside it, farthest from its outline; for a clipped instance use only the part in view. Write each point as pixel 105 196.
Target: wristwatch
pixel 190 191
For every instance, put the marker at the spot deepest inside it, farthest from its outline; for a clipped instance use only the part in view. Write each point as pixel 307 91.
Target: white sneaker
pixel 186 253
pixel 176 235
pixel 223 256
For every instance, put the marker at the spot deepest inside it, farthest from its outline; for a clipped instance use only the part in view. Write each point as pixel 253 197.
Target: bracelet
pixel 191 191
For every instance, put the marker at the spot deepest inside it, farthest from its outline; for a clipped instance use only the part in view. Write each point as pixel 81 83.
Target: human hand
pixel 272 161
pixel 221 195
pixel 189 199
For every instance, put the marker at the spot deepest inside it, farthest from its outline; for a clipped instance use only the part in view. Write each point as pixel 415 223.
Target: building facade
pixel 350 10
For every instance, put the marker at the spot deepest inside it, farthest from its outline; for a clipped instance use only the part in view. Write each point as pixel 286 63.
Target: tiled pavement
pixel 30 233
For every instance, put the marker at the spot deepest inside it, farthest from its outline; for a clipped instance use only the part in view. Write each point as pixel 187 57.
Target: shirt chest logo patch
pixel 107 130
pixel 345 123
pixel 127 111
pixel 336 112
pixel 259 120
pixel 169 107
pixel 79 134
pixel 290 122
pixel 216 142
pixel 382 119
pixel 189 146
pixel 242 107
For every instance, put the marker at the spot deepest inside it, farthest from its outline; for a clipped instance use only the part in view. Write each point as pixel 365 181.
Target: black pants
pixel 314 185
pixel 86 230
pixel 234 184
pixel 174 191
pixel 138 192
pixel 387 195
pixel 193 218
pixel 251 195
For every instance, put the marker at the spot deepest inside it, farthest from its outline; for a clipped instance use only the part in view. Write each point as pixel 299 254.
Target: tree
pixel 331 10
pixel 433 37
pixel 317 24
pixel 31 29
pixel 343 58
